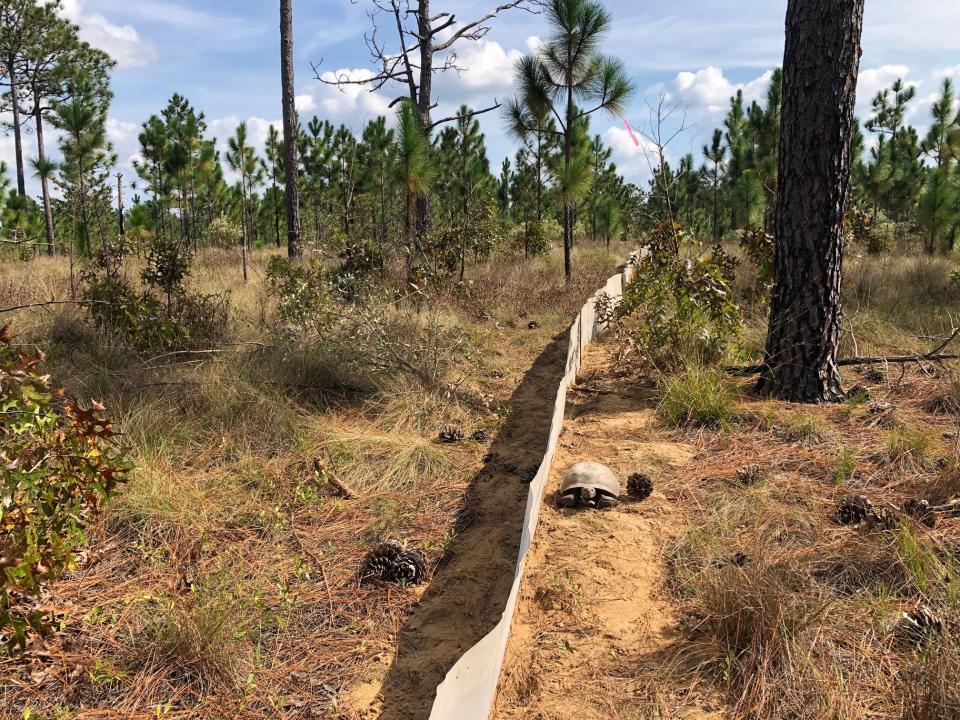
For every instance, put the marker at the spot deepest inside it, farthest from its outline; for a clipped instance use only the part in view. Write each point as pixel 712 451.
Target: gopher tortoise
pixel 589 484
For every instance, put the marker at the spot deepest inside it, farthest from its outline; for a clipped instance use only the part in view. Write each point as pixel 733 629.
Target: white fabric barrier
pixel 470 688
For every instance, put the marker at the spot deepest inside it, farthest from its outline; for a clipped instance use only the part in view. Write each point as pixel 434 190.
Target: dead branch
pixel 935 355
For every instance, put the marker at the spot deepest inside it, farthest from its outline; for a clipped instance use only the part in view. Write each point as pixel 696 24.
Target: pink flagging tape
pixel 630 132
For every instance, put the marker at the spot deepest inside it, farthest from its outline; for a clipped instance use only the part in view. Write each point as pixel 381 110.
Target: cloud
pixel 350 103
pixel 709 89
pixel 947 72
pixel 121 133
pixel 122 42
pixel 305 103
pixel 873 80
pixel 634 161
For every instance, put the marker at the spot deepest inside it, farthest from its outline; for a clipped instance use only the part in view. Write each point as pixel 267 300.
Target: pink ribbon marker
pixel 630 131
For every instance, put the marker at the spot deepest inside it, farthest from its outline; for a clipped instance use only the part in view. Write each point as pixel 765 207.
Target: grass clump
pixel 805 429
pixel 698 397
pixel 845 465
pixel 905 445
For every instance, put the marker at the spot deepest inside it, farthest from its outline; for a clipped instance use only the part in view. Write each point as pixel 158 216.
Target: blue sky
pixel 224 56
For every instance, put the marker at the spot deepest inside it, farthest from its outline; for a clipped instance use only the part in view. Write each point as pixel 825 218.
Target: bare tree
pixel 423 45
pixel 290 131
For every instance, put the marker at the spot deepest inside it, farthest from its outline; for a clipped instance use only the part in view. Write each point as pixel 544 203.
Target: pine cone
pixel 921 511
pixel 919 624
pixel 881 519
pixel 750 475
pixel 392 562
pixel 411 568
pixel 480 436
pixel 854 509
pixel 451 434
pixel 639 486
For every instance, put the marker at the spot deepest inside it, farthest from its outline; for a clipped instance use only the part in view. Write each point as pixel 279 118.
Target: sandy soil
pixel 595 626
pixel 466 596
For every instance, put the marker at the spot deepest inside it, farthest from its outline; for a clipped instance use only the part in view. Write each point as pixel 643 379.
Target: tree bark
pixel 17 135
pixel 44 178
pixel 290 147
pixel 820 70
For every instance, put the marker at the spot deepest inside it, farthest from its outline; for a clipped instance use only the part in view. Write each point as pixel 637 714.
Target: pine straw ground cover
pixel 223 581
pixel 734 591
pixel 793 613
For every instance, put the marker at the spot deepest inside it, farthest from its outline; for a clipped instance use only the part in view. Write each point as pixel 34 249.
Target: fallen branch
pixel 48 303
pixel 934 355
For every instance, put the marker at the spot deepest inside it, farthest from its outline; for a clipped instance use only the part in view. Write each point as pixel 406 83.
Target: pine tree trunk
pixel 290 133
pixel 44 179
pixel 17 135
pixel 820 70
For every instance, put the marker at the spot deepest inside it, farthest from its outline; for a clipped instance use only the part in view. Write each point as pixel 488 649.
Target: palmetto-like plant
pixel 565 72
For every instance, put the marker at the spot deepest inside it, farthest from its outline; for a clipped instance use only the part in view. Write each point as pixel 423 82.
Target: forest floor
pixel 223 581
pixel 726 595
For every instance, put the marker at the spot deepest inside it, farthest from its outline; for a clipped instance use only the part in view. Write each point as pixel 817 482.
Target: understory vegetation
pixel 286 364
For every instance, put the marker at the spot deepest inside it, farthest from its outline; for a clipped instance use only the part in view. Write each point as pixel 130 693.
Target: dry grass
pixel 222 582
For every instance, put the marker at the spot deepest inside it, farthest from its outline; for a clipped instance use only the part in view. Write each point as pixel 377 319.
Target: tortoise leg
pixel 605 502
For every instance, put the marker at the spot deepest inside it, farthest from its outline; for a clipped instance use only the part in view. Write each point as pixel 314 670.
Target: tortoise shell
pixel 589 483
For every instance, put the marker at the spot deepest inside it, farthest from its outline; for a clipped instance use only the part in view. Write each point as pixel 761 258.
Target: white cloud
pixel 873 80
pixel 349 103
pixel 634 161
pixel 305 103
pixel 710 90
pixel 257 128
pixel 488 66
pixel 122 42
pixel 947 72
pixel 122 133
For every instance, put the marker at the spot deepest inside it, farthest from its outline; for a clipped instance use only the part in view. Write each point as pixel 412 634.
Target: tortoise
pixel 589 484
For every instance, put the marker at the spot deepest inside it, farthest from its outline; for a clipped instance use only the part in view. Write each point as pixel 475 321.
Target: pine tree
pixel 567 69
pixel 243 160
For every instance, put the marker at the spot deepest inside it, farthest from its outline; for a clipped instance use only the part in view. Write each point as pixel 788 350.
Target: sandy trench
pixel 594 623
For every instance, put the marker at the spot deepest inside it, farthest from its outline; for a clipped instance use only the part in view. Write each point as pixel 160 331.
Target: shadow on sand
pixel 469 591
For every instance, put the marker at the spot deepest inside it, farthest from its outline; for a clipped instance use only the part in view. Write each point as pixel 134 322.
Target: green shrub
pixel 697 397
pixel 679 304
pixel 177 319
pixel 304 299
pixel 60 464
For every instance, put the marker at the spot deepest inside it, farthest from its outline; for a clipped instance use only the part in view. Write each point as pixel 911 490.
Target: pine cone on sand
pixel 854 509
pixel 639 486
pixel 390 561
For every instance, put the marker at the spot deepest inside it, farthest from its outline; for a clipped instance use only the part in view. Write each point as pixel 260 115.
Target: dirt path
pixel 594 624
pixel 468 592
